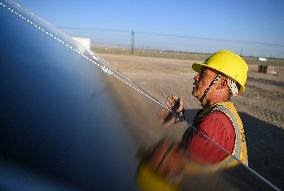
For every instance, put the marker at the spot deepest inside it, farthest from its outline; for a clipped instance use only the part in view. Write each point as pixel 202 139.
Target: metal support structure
pixel 132 42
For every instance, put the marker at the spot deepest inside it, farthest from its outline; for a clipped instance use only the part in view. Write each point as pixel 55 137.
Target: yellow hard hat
pixel 148 180
pixel 229 63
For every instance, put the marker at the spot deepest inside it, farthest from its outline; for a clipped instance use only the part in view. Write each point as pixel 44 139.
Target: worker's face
pixel 202 82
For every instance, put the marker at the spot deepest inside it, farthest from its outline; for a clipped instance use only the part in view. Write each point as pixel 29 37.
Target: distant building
pixel 265 67
pixel 85 42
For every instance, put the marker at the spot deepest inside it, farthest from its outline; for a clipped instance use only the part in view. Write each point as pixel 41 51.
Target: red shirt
pixel 219 128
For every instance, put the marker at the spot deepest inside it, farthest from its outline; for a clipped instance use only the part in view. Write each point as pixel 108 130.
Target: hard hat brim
pixel 197 67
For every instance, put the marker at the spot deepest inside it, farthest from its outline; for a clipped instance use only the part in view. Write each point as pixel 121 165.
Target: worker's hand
pixel 175 103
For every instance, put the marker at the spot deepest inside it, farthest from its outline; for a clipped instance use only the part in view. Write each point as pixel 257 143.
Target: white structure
pixel 262 59
pixel 85 42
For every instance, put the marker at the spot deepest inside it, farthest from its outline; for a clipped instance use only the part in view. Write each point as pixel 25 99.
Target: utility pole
pixel 132 42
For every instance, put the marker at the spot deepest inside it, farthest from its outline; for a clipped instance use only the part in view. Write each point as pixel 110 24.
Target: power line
pixel 173 35
pixel 93 29
pixel 211 39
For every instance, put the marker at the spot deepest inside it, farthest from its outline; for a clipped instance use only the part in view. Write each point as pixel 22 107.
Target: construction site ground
pixel 261 107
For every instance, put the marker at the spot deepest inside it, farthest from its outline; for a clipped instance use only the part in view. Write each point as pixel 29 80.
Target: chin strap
pixel 202 99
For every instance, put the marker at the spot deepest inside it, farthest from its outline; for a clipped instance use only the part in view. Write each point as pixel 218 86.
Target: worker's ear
pixel 222 83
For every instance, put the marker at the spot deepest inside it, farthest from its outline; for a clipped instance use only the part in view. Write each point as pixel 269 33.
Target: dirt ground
pixel 264 97
pixel 261 107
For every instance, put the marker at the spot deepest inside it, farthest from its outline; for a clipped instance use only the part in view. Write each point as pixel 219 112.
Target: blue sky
pixel 245 20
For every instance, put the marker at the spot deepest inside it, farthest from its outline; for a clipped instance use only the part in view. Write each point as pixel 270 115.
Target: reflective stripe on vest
pixel 237 147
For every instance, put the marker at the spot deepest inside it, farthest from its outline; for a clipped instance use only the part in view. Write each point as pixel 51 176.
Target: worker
pixel 217 131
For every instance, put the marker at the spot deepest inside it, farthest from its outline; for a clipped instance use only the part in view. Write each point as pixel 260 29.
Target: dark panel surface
pixel 57 113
